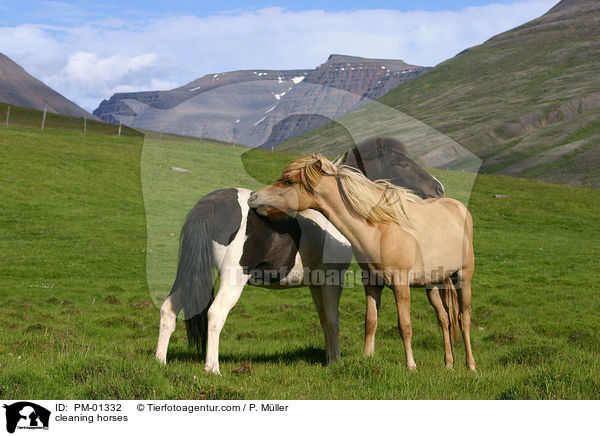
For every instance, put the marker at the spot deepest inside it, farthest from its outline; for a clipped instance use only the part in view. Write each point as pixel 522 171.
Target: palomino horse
pixel 397 237
pixel 222 233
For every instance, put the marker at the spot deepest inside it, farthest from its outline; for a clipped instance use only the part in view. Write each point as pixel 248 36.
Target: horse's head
pixel 401 170
pixel 293 191
pixel 387 158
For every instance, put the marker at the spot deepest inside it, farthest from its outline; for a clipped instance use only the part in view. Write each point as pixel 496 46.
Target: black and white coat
pixel 223 233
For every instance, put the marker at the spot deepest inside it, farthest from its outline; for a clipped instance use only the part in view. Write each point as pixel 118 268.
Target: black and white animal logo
pixel 26 415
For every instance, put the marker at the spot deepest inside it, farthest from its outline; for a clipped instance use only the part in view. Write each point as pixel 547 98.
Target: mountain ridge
pixel 517 96
pixel 245 106
pixel 171 98
pixel 20 88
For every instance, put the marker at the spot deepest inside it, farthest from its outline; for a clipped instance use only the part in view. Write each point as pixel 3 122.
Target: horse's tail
pixel 450 299
pixel 194 281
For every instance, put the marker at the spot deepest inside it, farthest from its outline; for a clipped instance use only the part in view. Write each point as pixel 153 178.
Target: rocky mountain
pixel 337 87
pixel 19 88
pixel 120 104
pixel 526 102
pixel 260 107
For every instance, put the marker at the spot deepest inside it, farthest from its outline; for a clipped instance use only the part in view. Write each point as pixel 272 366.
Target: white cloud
pixel 30 45
pixel 93 78
pixel 88 68
pixel 88 62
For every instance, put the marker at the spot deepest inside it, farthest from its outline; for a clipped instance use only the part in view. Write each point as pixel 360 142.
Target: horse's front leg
pixel 232 283
pixel 402 295
pixel 317 296
pixel 373 294
pixel 330 295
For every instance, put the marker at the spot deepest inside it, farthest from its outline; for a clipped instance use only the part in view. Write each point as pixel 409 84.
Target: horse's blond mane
pixel 377 202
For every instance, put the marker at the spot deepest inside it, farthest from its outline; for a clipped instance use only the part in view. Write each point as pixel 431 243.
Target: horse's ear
pixel 318 166
pixel 380 147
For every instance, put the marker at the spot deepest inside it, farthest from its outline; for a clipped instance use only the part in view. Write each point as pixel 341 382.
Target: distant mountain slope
pixel 22 89
pixel 340 85
pixel 253 107
pixel 527 101
pixel 110 110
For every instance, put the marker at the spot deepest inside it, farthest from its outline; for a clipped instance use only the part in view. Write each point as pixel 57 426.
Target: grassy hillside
pixel 78 319
pixel 527 102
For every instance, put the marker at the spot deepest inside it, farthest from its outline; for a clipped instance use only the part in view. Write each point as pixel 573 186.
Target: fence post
pixel 7 115
pixel 84 124
pixel 120 125
pixel 44 118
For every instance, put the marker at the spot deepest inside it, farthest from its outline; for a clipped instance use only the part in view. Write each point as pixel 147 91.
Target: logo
pixel 26 415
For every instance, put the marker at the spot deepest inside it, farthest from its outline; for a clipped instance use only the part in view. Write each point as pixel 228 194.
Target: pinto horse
pixel 221 232
pixel 397 237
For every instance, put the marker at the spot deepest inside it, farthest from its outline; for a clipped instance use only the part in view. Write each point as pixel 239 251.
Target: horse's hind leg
pixel 168 318
pixel 373 294
pixel 433 295
pixel 464 302
pixel 230 288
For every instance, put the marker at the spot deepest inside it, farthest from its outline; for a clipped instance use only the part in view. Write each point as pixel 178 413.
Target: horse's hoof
pixel 161 359
pixel 212 370
pixel 412 367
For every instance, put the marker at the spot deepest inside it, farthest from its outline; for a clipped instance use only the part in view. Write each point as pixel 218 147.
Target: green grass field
pixel 89 231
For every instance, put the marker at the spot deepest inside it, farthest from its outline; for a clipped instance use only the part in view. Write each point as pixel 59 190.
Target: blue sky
pixel 16 12
pixel 89 50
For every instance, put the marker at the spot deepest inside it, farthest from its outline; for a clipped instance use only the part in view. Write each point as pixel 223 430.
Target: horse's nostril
pixel 252 198
pixel 440 190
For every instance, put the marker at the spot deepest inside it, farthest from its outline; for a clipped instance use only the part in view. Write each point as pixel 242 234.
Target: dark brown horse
pixel 387 158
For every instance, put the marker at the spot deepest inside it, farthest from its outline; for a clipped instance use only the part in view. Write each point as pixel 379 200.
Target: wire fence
pixel 16 116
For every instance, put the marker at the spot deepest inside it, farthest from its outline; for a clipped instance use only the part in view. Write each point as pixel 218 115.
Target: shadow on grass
pixel 310 355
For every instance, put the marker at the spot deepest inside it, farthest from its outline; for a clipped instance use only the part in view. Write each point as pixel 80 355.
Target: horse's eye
pixel 402 164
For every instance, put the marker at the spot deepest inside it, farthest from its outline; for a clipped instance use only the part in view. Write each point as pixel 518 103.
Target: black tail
pixel 194 281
